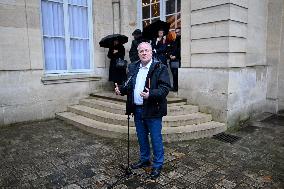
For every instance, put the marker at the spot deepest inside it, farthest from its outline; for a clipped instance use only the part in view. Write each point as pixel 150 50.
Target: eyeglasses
pixel 144 50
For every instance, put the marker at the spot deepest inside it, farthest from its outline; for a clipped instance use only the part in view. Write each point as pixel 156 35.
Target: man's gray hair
pixel 144 43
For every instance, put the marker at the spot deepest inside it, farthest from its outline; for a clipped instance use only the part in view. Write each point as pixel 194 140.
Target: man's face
pixel 145 53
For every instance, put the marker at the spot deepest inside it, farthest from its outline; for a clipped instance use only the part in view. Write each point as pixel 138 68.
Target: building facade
pixel 232 53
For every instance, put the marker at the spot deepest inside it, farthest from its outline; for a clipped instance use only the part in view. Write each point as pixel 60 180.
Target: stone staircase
pixel 104 114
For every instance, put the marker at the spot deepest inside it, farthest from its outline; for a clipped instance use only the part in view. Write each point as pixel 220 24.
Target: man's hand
pixel 145 95
pixel 116 89
pixel 172 57
pixel 115 51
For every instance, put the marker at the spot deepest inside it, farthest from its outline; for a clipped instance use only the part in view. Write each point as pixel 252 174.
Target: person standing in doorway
pixel 160 47
pixel 174 56
pixel 146 88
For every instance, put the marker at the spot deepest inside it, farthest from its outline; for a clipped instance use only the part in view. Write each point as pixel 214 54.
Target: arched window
pixel 151 10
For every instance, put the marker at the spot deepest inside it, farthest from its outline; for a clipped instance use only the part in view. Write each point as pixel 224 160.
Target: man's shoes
pixel 155 173
pixel 140 164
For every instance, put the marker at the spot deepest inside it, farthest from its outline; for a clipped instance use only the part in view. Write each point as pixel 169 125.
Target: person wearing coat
pixel 147 86
pixel 159 47
pixel 133 53
pixel 116 74
pixel 174 55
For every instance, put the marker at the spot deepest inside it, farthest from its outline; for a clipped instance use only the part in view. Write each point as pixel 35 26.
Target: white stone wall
pixel 103 25
pixel 207 88
pixel 274 53
pixel 281 68
pixel 232 58
pixel 23 96
pixel 246 93
pixel 226 73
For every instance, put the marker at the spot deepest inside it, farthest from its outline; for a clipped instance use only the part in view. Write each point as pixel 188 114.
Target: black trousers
pixel 175 78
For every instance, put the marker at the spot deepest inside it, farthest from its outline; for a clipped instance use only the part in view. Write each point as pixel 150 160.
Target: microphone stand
pixel 127 170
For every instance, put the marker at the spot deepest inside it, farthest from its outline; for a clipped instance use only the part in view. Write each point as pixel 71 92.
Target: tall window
pixel 150 11
pixel 67 35
pixel 173 13
pixel 166 10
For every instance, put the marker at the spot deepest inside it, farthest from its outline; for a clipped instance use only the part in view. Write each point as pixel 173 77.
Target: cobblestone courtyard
pixel 53 154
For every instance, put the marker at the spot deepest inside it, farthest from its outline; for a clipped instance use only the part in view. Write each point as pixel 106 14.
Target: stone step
pixel 117 108
pixel 173 94
pixel 96 127
pixel 171 103
pixel 113 97
pixel 170 134
pixel 118 119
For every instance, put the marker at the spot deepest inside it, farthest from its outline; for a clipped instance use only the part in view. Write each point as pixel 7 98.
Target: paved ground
pixel 53 154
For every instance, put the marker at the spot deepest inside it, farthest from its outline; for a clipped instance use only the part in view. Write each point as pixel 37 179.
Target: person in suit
pixel 147 86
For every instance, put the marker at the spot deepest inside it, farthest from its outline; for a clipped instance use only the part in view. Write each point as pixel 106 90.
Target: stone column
pixel 128 21
pixel 224 37
pixel 185 33
pixel 281 67
pixel 274 28
pixel 116 16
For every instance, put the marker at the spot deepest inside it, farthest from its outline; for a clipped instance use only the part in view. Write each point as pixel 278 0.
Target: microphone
pixel 127 82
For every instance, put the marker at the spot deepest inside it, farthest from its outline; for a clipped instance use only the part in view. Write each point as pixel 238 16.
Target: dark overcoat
pixel 117 75
pixel 133 52
pixel 174 49
pixel 160 50
pixel 156 105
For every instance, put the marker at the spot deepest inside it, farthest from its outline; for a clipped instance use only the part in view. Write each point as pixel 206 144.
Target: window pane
pixel 80 55
pixel 170 7
pixel 78 2
pixel 178 21
pixel 52 19
pixel 155 19
pixel 146 23
pixel 146 12
pixel 145 2
pixel 171 19
pixel 155 10
pixel 178 5
pixel 78 22
pixel 59 1
pixel 54 51
pixel 155 1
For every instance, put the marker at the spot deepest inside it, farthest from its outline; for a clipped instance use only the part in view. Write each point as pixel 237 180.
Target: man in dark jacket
pixel 146 88
pixel 133 54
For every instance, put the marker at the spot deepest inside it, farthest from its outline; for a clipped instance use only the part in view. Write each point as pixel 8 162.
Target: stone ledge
pixel 57 79
pixel 198 5
pixel 219 13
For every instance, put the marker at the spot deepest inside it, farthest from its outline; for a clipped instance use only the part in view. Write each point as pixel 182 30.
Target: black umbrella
pixel 151 31
pixel 107 41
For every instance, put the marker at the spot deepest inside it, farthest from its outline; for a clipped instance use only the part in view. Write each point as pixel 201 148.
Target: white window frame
pixel 162 12
pixel 69 70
